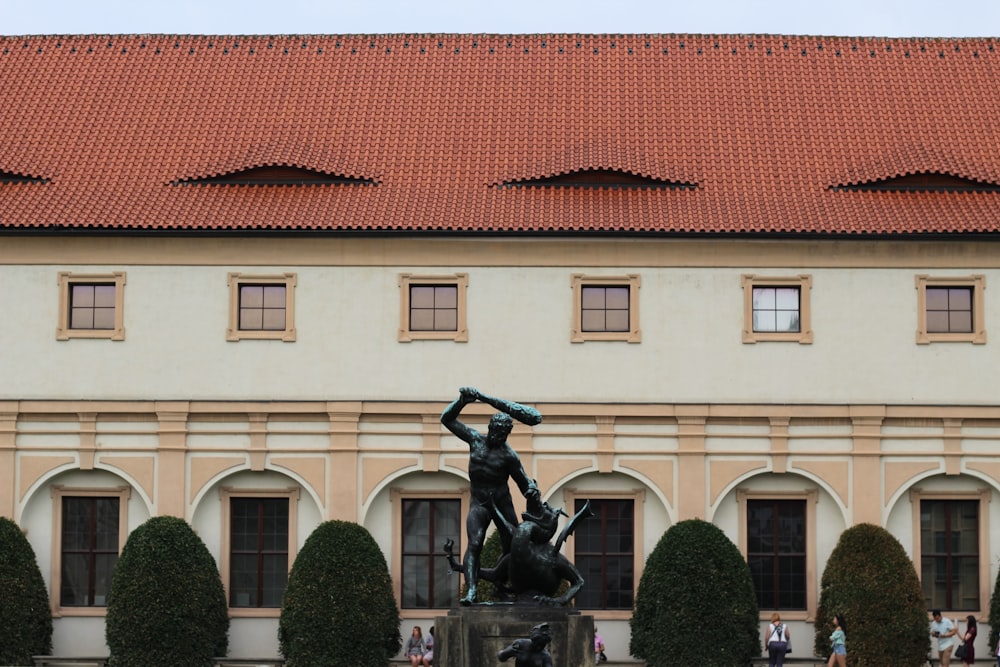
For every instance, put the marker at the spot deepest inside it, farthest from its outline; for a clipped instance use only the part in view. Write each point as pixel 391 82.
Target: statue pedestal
pixel 472 636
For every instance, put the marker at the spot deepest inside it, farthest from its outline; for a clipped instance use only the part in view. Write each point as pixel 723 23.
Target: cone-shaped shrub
pixel 871 581
pixel 994 618
pixel 166 606
pixel 338 606
pixel 696 603
pixel 25 618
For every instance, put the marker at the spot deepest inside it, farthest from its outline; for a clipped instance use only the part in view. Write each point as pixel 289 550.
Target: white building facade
pixel 248 317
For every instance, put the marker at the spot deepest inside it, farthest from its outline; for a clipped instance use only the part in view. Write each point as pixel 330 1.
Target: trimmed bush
pixel 871 581
pixel 994 618
pixel 166 606
pixel 339 607
pixel 696 603
pixel 25 618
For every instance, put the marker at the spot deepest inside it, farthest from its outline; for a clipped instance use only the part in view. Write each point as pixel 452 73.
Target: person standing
pixel 777 641
pixel 969 640
pixel 598 647
pixel 492 463
pixel 838 640
pixel 944 630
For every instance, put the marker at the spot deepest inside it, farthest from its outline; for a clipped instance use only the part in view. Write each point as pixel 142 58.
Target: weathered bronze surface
pixel 531 567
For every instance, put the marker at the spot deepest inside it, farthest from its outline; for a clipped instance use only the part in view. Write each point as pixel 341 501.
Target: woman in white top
pixel 777 641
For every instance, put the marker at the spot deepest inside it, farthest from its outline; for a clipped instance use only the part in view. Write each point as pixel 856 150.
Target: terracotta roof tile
pixel 767 125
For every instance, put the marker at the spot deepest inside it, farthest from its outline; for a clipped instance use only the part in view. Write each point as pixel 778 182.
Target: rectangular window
pixel 949 553
pixel 427 524
pixel 950 309
pixel 604 548
pixel 776 552
pixel 777 309
pixel 605 308
pixel 433 307
pixel 89 549
pixel 91 306
pixel 261 307
pixel 258 558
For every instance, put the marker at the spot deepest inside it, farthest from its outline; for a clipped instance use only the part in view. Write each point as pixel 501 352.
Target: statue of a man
pixel 492 462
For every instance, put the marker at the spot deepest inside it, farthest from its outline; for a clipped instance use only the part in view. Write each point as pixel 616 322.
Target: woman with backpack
pixel 777 641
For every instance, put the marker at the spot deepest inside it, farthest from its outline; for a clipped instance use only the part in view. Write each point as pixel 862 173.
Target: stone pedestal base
pixel 472 636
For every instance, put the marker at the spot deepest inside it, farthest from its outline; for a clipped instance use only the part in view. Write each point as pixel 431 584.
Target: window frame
pixel 57 492
pixel 804 336
pixel 226 493
pixel 235 280
pixel 457 280
pixel 975 282
pixel 638 498
pixel 434 547
pixel 632 281
pixel 66 281
pixel 397 496
pixel 776 554
pixel 811 496
pixel 983 495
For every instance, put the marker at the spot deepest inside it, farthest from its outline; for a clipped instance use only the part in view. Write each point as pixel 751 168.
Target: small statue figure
pixel 530 652
pixel 492 462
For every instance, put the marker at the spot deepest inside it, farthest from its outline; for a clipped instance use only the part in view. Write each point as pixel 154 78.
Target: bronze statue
pixel 530 652
pixel 492 462
pixel 534 567
pixel 529 565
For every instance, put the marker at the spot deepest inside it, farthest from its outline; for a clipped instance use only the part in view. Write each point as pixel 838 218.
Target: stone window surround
pixel 66 280
pixel 57 493
pixel 225 494
pixel 977 283
pixel 633 281
pixel 803 282
pixel 458 280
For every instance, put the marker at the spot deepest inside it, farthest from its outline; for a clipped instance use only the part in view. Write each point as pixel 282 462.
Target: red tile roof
pixel 446 126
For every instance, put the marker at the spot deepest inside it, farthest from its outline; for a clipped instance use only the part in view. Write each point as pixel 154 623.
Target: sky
pixel 889 18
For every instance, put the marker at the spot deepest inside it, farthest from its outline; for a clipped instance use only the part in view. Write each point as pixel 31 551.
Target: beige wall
pixel 690 421
pixel 520 313
pixel 347 461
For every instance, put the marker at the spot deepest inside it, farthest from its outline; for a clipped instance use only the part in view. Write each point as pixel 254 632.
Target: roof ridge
pixel 365 35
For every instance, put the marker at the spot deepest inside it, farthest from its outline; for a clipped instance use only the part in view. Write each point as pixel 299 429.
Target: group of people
pixel 419 649
pixel 943 629
pixel 949 639
pixel 779 642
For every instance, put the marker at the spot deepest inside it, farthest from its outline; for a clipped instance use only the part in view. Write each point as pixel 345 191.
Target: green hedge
pixel 871 581
pixel 25 618
pixel 339 607
pixel 994 618
pixel 696 603
pixel 166 606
